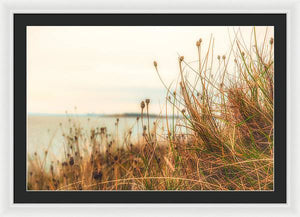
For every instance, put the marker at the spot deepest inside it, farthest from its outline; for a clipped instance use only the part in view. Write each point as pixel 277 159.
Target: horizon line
pixel 92 113
pixel 126 114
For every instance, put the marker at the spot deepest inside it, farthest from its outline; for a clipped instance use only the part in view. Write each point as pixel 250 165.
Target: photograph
pixel 150 108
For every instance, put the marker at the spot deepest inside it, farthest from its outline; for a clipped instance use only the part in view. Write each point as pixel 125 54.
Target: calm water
pixel 46 132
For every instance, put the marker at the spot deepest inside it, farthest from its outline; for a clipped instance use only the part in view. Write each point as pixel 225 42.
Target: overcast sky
pixel 110 69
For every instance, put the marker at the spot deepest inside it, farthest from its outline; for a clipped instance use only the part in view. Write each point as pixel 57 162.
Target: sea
pixel 45 132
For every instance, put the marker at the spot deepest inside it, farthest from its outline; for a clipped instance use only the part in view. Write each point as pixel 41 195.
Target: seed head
pixel 142 104
pixel 155 64
pixel 181 58
pixel 116 158
pixel 183 111
pixel 102 130
pixel 219 57
pixel 223 57
pixel 271 41
pixel 147 101
pixel 97 175
pixel 243 53
pixel 71 162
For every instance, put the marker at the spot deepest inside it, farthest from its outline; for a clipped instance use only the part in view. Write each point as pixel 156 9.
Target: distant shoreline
pixel 123 115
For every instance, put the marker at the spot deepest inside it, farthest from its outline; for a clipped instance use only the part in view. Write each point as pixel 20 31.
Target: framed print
pixel 137 109
pixel 150 108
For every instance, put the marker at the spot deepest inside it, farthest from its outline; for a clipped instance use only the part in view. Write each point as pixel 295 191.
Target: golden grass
pixel 222 140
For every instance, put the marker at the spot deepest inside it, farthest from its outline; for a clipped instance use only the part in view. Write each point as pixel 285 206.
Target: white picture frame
pixel 8 8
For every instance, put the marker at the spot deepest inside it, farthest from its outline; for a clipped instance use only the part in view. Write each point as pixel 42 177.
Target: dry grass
pixel 223 139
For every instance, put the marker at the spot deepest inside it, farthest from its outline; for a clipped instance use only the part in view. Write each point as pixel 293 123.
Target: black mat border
pixel 23 20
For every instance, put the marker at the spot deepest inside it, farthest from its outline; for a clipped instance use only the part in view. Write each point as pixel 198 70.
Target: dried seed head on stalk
pixel 198 43
pixel 71 162
pixel 155 64
pixel 97 175
pixel 181 58
pixel 102 129
pixel 147 101
pixel 271 41
pixel 223 57
pixel 219 57
pixel 142 104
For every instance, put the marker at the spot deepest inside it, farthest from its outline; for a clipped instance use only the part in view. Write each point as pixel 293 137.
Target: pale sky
pixel 110 69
